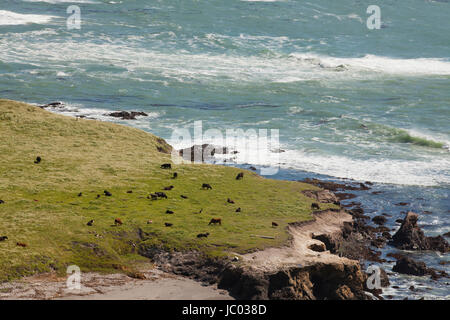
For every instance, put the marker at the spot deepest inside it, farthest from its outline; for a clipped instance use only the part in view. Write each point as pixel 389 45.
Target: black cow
pixel 206 186
pixel 166 166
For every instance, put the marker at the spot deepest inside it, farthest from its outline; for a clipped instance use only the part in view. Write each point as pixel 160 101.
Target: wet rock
pixel 380 220
pixel 345 195
pixel 407 265
pixel 52 105
pixel 125 115
pixel 411 237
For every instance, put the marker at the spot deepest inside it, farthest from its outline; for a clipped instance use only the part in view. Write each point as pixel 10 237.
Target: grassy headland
pixel 42 208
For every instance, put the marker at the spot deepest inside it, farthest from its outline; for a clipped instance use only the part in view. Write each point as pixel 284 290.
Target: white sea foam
pixel 423 172
pixel 9 18
pixel 373 63
pixel 62 1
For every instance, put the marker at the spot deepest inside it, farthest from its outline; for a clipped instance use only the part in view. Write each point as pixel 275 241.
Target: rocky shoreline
pixel 316 265
pixel 330 267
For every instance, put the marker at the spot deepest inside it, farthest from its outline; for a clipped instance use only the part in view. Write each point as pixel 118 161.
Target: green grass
pixel 42 207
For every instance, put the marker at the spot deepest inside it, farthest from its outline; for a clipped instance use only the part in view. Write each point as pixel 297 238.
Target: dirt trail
pixel 299 253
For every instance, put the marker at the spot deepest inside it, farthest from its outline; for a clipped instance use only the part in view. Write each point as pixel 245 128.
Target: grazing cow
pixel 129 191
pixel 230 201
pixel 238 209
pixel 21 244
pixel 206 186
pixel 38 160
pixel 90 223
pixel 167 224
pixel 215 221
pixel 166 166
pixel 183 196
pixel 175 175
pixel 3 238
pixel 169 188
pixel 169 211
pixel 203 235
pixel 274 224
pixel 118 222
pixel 1 201
pixel 149 222
pixel 152 196
pixel 80 194
pixel 98 196
pixel 240 176
pixel 161 195
pixel 315 206
pixel 107 193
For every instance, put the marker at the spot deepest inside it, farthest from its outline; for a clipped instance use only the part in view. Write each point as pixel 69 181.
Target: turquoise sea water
pixel 349 102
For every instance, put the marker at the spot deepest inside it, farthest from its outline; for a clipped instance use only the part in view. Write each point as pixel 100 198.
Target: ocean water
pixel 349 102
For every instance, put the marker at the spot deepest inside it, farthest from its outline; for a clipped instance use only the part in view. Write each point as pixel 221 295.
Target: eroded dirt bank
pixel 305 269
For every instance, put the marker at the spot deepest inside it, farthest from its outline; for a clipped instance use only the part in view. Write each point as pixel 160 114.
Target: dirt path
pixel 299 253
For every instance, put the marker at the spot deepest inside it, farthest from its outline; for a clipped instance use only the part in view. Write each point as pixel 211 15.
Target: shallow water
pixel 348 102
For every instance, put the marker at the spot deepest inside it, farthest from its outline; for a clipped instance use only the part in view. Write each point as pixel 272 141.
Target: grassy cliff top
pixel 42 208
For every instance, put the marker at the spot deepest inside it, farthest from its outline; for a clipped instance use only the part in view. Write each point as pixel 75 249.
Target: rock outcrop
pixel 411 237
pixel 201 153
pixel 125 115
pixel 323 196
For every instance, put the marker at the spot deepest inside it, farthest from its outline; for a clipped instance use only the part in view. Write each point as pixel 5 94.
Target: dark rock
pixel 52 105
pixel 411 237
pixel 380 220
pixel 407 265
pixel 333 186
pixel 318 247
pixel 201 153
pixel 125 115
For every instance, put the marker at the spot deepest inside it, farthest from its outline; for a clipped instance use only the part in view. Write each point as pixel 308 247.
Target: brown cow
pixel 21 244
pixel 215 221
pixel 118 222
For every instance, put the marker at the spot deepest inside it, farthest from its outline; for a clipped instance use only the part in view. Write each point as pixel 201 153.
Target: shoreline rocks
pixel 125 115
pixel 202 153
pixel 411 237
